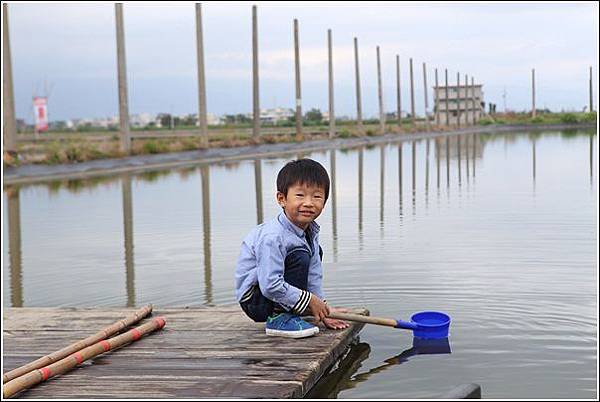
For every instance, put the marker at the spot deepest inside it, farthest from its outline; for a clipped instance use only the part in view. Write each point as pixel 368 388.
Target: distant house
pixel 463 101
pixel 275 115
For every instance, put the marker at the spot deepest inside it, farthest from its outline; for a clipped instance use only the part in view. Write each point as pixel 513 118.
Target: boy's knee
pixel 299 259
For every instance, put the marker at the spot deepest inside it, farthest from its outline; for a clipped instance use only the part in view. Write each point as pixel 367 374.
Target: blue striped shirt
pixel 262 259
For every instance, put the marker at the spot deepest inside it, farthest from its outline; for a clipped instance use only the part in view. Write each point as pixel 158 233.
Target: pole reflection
pixel 14 246
pixel 467 155
pixel 448 162
pixel 381 186
pixel 205 176
pixel 458 160
pixel 128 239
pixel 414 176
pixel 360 197
pixel 258 191
pixel 427 173
pixel 334 204
pixel 591 159
pixel 400 178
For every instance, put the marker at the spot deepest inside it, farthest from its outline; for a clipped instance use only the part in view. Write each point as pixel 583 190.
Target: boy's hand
pixel 318 308
pixel 333 323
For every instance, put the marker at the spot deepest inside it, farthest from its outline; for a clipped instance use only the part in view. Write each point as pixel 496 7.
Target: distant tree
pixel 313 115
pixel 165 119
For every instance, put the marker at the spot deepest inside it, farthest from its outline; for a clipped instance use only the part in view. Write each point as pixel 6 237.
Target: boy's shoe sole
pixel 293 334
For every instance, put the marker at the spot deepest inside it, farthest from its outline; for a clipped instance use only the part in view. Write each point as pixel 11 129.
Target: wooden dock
pixel 201 353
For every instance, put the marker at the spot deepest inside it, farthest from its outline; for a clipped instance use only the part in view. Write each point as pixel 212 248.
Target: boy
pixel 279 274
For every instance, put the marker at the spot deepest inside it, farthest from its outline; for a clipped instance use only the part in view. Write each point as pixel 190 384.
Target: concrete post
pixel 458 99
pixel 425 94
pixel 8 97
pixel 446 92
pixel 437 100
pixel 331 102
pixel 591 92
pixel 255 82
pixel 533 92
pixel 467 102
pixel 122 77
pixel 201 81
pixel 359 121
pixel 299 135
pixel 398 93
pixel 412 94
pixel 475 106
pixel 380 95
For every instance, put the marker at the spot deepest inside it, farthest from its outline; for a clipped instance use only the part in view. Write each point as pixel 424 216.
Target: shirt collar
pixel 283 219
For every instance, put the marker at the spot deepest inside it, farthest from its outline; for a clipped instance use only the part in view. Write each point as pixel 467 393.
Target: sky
pixel 69 52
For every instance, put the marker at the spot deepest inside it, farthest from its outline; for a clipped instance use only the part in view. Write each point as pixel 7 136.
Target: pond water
pixel 497 230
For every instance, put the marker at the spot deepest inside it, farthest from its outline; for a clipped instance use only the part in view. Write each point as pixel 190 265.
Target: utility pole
pixel 122 78
pixel 380 95
pixel 398 95
pixel 359 121
pixel 591 92
pixel 331 104
pixel 412 94
pixel 255 87
pixel 437 100
pixel 447 100
pixel 533 92
pixel 8 97
pixel 299 136
pixel 425 94
pixel 201 81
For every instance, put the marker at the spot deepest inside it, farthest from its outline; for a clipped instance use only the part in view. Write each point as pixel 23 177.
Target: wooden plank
pixel 202 352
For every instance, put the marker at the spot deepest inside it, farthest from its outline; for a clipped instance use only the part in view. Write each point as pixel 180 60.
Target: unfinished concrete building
pixel 464 102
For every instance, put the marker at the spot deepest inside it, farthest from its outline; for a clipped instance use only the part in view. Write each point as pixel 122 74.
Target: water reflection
pixel 360 197
pixel 468 147
pixel 400 178
pixel 14 246
pixel 333 191
pixel 381 185
pixel 343 376
pixel 258 191
pixel 128 239
pixel 205 176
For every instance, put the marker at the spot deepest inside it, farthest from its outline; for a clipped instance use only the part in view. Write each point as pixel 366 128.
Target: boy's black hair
pixel 303 171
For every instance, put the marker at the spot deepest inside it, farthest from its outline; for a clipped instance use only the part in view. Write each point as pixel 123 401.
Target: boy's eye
pixel 299 194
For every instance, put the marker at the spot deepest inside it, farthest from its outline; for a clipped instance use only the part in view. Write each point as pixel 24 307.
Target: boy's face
pixel 303 203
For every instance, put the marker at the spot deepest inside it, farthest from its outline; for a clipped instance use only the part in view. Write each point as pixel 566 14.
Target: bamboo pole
pixel 62 353
pixel 64 365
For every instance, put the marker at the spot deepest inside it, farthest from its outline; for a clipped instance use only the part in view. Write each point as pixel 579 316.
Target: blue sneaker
pixel 290 326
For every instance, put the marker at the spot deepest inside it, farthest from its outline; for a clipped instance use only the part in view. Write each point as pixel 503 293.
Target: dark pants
pixel 258 307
